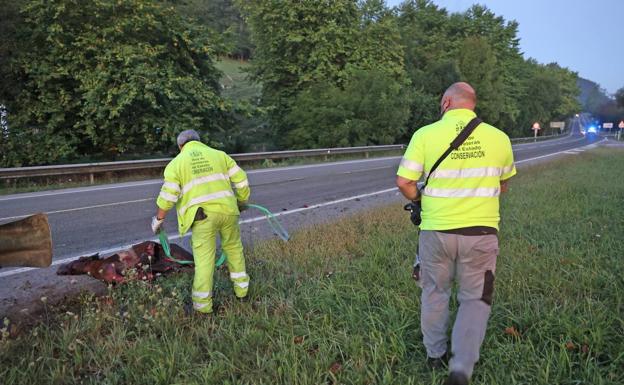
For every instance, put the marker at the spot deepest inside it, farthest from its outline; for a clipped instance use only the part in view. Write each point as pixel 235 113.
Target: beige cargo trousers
pixel 471 261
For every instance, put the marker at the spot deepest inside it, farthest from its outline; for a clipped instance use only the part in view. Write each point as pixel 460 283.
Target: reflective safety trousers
pixel 204 249
pixel 201 176
pixel 464 190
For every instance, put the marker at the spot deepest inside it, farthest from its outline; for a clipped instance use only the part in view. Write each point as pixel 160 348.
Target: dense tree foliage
pixel 223 17
pixel 596 101
pixel 370 108
pixel 318 49
pixel 592 96
pixel 304 46
pixel 483 49
pixel 10 20
pixel 103 78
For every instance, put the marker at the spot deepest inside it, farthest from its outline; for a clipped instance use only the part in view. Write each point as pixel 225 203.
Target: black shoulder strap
pixel 461 138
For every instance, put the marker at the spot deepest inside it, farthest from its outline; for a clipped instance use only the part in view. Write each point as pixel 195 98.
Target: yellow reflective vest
pixel 201 176
pixel 464 190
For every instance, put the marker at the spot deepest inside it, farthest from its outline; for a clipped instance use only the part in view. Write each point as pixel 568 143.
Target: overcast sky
pixel 585 36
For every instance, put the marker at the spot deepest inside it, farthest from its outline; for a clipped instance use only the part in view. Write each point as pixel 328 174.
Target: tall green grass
pixel 336 305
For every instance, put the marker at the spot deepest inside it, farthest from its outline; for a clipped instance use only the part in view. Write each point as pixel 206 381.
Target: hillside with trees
pixel 104 79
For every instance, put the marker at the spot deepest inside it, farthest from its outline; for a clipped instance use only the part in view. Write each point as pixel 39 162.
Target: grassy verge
pixel 337 305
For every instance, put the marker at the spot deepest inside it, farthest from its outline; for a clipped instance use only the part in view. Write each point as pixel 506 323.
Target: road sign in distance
pixel 536 126
pixel 621 125
pixel 557 124
pixel 607 125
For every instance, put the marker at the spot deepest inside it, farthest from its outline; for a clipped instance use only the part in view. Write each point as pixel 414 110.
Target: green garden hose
pixel 164 242
pixel 277 228
pixel 273 222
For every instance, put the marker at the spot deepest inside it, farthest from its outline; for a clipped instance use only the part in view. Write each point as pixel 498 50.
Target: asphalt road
pixel 106 218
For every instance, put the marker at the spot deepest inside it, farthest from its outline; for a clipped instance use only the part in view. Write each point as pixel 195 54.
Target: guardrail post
pixel 91 178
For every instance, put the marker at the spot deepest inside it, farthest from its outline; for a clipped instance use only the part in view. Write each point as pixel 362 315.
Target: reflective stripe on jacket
pixel 464 190
pixel 201 176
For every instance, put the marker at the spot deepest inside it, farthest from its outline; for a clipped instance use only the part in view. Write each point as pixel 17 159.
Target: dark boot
pixel 439 362
pixel 457 378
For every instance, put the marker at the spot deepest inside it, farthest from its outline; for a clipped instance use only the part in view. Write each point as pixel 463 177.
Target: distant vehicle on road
pixel 590 131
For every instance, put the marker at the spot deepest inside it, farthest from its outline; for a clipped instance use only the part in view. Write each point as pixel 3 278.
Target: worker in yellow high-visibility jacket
pixel 460 215
pixel 209 190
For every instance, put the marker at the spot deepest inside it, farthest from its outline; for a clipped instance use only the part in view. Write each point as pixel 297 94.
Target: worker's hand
pixel 156 223
pixel 415 208
pixel 242 206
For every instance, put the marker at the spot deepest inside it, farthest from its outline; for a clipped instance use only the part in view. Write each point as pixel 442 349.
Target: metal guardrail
pixel 92 169
pixel 95 168
pixel 539 138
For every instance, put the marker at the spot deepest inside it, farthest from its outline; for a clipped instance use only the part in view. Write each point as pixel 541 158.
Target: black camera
pixel 414 208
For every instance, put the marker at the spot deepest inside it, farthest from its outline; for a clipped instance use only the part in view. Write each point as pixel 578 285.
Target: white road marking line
pixel 81 208
pixel 547 145
pixel 556 153
pixel 172 238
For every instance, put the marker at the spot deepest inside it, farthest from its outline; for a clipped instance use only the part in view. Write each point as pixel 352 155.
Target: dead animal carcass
pixel 145 260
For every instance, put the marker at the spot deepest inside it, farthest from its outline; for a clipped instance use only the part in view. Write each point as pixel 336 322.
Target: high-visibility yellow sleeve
pixel 239 180
pixel 509 169
pixel 170 190
pixel 413 161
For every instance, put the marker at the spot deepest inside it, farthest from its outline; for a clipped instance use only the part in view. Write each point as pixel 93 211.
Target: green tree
pixel 569 91
pixel 483 49
pixel 501 37
pixel 370 109
pixel 10 22
pixel 10 85
pixel 542 99
pixel 430 66
pixel 479 67
pixel 299 43
pixel 592 96
pixel 111 77
pixel 224 17
pixel 303 44
pixel 475 46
